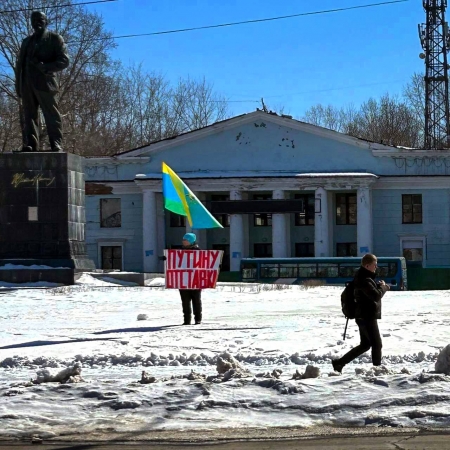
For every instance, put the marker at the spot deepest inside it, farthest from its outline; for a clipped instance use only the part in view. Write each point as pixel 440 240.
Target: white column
pixel 237 235
pixel 161 226
pixel 150 231
pixel 279 230
pixel 364 221
pixel 321 224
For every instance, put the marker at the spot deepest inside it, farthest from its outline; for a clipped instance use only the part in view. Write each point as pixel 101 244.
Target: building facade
pixel 280 188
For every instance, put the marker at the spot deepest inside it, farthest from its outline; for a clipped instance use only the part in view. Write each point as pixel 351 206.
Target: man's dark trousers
pixel 370 338
pixel 31 100
pixel 194 295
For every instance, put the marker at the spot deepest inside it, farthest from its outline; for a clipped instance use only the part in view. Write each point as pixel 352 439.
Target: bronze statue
pixel 41 55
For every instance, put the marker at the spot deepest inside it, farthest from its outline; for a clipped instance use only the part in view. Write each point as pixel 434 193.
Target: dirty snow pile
pixel 443 361
pixel 99 355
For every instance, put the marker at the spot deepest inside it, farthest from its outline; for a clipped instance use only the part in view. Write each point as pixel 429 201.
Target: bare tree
pixel 9 122
pixel 197 104
pixel 390 120
pixel 331 117
pixel 414 94
pixel 93 114
pixel 152 109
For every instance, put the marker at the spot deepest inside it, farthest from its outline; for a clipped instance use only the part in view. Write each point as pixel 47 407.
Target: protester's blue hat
pixel 190 237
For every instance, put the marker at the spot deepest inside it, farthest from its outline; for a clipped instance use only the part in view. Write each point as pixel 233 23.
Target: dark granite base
pixel 42 213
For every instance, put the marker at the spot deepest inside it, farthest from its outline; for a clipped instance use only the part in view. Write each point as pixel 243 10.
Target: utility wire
pixel 68 5
pixel 337 88
pixel 292 94
pixel 269 19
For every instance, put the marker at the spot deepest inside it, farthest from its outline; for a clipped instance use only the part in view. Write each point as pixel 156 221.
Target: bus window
pixel 249 272
pixel 288 270
pixel 392 270
pixel 347 270
pixel 382 270
pixel 327 270
pixel 387 270
pixel 269 271
pixel 307 270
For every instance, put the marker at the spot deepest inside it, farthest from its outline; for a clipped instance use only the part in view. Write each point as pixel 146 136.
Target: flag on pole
pixel 179 199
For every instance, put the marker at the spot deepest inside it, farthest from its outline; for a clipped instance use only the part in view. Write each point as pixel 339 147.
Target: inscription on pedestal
pixel 20 179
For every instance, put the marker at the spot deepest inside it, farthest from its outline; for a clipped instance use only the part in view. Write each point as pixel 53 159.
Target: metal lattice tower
pixel 434 37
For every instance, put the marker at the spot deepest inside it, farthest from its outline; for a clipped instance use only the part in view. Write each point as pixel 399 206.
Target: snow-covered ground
pixel 264 328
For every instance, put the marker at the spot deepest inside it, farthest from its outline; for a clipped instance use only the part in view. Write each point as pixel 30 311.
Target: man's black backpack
pixel 348 300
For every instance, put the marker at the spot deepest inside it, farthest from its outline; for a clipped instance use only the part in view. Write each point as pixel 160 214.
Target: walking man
pixel 41 55
pixel 368 295
pixel 189 242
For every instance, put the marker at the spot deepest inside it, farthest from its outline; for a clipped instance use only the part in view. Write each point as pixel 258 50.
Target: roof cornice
pixel 389 152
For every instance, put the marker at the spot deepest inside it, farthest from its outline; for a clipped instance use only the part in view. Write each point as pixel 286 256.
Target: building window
pixel 111 257
pixel 262 219
pixel 412 208
pixel 346 249
pixel 345 209
pixel 304 250
pixel 177 221
pixel 110 213
pixel 307 216
pixel 262 250
pixel 226 256
pixel 223 219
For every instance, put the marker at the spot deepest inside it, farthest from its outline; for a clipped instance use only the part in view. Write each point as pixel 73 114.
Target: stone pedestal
pixel 42 216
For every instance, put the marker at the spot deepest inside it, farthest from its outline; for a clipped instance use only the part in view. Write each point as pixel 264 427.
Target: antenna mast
pixel 434 38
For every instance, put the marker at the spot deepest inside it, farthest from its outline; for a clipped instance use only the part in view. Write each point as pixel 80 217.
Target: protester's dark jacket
pixel 368 295
pixel 192 247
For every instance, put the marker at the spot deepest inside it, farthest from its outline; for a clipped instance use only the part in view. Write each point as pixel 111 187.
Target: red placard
pixel 192 269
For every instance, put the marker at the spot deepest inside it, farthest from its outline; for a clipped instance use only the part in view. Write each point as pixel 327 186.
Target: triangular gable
pixel 244 119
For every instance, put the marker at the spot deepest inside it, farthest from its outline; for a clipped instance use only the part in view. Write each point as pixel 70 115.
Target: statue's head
pixel 38 21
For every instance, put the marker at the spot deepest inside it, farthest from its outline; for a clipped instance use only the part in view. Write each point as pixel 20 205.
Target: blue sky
pixel 336 58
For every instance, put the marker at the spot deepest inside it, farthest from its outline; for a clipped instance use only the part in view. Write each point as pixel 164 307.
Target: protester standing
pixel 368 294
pixel 189 242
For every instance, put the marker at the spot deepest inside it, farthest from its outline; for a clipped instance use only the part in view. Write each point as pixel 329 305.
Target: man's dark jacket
pixel 368 295
pixel 49 50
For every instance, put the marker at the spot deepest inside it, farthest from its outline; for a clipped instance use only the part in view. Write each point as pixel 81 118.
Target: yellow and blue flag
pixel 179 199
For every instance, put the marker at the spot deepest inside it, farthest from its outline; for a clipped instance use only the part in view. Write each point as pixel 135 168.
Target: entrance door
pixel 226 256
pixel 111 257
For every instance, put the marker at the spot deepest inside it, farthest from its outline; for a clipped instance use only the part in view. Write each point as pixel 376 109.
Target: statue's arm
pixel 62 60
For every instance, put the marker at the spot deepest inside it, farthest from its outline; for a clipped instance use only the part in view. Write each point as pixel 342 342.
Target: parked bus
pixel 331 271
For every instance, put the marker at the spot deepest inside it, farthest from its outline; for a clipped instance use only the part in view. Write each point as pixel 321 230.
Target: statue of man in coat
pixel 41 55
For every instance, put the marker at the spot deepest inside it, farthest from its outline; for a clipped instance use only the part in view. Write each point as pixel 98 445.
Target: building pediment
pixel 258 119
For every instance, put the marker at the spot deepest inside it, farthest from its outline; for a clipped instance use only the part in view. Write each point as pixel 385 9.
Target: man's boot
pixel 27 149
pixel 337 366
pixel 187 320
